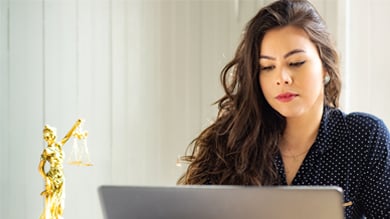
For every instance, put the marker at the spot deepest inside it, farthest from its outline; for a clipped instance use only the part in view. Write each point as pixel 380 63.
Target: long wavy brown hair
pixel 239 148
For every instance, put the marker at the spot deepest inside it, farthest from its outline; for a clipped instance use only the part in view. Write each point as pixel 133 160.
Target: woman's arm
pixel 376 188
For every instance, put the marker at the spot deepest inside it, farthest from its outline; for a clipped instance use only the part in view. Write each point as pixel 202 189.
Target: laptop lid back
pixel 216 202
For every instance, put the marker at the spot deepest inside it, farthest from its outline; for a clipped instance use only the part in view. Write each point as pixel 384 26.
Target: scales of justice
pixel 53 155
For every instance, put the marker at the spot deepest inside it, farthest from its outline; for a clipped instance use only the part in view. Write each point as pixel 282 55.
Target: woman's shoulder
pixel 359 125
pixel 364 126
pixel 365 121
pixel 363 117
pixel 357 119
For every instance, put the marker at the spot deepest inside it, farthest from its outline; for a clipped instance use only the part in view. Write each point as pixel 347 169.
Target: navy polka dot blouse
pixel 351 151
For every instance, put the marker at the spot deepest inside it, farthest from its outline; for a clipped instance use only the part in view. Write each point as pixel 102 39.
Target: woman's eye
pixel 267 68
pixel 297 64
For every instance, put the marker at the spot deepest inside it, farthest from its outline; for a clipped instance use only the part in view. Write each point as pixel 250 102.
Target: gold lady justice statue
pixel 54 178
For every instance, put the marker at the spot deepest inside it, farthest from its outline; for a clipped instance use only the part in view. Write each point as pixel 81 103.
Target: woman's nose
pixel 283 78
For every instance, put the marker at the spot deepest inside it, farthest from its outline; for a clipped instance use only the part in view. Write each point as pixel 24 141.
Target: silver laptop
pixel 221 202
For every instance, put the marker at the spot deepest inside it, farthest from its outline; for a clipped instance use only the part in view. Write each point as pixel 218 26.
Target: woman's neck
pixel 301 132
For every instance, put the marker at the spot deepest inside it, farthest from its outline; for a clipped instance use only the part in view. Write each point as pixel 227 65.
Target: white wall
pixel 4 149
pixel 366 57
pixel 21 122
pixel 144 75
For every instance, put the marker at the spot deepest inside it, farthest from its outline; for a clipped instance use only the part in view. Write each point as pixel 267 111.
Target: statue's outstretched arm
pixel 71 132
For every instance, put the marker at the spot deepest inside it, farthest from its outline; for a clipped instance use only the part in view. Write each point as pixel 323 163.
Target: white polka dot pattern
pixel 351 151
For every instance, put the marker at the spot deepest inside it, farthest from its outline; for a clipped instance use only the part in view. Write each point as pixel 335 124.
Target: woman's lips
pixel 286 97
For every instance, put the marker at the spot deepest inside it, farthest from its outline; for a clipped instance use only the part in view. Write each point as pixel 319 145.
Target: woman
pixel 279 122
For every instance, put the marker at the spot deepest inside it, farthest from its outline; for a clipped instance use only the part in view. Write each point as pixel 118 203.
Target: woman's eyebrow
pixel 266 57
pixel 292 52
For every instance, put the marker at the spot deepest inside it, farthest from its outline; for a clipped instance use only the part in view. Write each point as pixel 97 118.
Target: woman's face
pixel 291 72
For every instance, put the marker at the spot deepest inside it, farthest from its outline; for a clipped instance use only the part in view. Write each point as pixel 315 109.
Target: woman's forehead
pixel 279 42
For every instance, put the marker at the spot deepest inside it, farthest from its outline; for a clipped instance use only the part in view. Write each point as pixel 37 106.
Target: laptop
pixel 221 202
